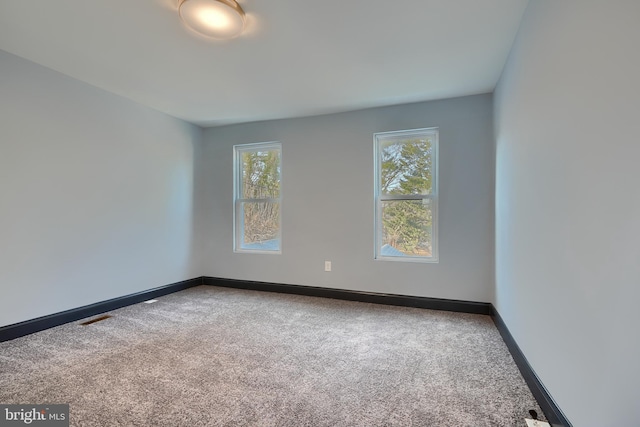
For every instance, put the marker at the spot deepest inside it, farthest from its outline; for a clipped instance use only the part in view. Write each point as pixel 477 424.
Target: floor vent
pixel 97 319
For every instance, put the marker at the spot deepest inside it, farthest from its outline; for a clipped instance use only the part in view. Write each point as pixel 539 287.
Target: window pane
pixel 260 174
pixel 261 226
pixel 406 165
pixel 407 228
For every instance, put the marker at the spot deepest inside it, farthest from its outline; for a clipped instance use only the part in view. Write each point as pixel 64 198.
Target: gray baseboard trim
pixel 370 297
pixel 21 329
pixel 554 414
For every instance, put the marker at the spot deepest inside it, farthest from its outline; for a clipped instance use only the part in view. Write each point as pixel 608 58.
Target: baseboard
pixel 370 297
pixel 553 413
pixel 41 323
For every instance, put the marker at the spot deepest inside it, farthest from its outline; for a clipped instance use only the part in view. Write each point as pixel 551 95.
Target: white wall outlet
pixel 536 423
pixel 327 266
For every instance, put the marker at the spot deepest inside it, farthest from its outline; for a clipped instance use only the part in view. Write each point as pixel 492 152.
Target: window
pixel 257 197
pixel 406 195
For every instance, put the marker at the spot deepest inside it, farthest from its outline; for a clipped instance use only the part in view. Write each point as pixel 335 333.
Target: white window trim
pixel 378 198
pixel 238 222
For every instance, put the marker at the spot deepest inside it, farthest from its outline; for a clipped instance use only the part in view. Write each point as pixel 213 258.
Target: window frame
pixel 378 139
pixel 238 217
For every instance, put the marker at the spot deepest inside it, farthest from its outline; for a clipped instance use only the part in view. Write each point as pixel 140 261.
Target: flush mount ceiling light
pixel 220 19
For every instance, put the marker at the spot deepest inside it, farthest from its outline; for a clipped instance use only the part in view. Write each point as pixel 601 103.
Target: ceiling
pixel 296 57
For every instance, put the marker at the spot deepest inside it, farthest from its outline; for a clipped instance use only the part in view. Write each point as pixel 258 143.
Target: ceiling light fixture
pixel 220 19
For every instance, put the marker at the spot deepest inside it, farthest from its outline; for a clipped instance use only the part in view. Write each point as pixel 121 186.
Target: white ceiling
pixel 296 58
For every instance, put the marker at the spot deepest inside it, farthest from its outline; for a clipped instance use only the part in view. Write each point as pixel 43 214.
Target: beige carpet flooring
pixel 210 356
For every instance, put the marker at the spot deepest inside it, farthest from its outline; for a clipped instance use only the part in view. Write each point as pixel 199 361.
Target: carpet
pixel 210 356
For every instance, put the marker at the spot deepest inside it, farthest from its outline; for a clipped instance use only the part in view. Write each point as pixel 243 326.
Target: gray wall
pixel 96 194
pixel 328 201
pixel 567 205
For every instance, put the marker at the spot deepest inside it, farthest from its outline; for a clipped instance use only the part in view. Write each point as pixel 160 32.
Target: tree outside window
pixel 406 199
pixel 257 197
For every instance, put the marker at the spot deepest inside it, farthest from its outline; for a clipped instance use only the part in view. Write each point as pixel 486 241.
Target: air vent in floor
pixel 97 319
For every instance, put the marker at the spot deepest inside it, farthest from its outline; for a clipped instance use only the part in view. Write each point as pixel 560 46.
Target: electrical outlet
pixel 327 266
pixel 536 423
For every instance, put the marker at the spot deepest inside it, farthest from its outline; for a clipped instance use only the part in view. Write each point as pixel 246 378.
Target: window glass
pixel 406 195
pixel 258 197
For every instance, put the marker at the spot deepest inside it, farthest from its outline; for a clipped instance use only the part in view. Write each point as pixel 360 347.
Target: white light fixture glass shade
pixel 220 19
